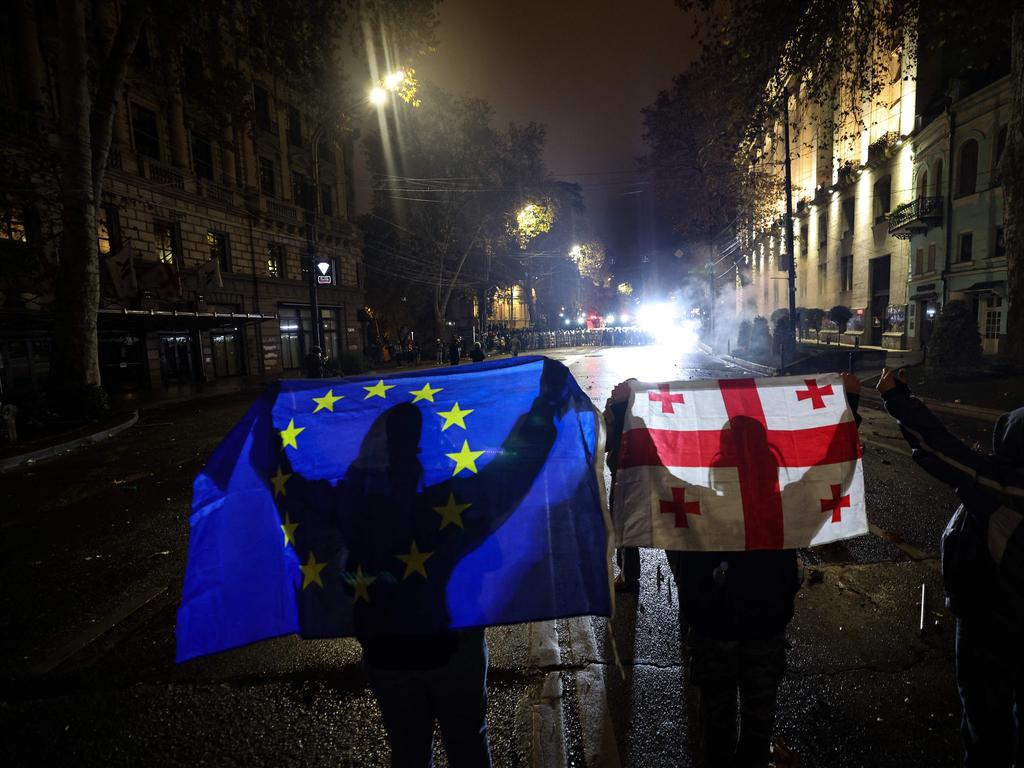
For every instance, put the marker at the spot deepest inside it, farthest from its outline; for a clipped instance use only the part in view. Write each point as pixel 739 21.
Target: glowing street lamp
pixel 378 96
pixel 389 84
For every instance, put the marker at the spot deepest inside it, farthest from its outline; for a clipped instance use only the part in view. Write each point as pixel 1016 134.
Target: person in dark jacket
pixel 454 350
pixel 314 363
pixel 477 353
pixel 738 605
pixel 982 552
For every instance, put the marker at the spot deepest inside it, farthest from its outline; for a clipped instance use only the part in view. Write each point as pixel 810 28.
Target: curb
pixel 13 462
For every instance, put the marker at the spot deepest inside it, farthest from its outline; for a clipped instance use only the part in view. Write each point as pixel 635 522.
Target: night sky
pixel 583 68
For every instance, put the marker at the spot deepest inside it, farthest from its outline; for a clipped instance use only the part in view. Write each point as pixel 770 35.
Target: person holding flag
pixel 982 554
pixel 409 512
pixel 740 501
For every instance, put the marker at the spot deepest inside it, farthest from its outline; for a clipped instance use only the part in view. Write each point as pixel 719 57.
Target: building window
pixel 219 250
pixel 12 224
pixel 846 273
pixel 993 316
pixel 938 179
pixel 202 157
pixel 922 182
pixel 166 236
pixel 304 193
pixel 1000 148
pixel 261 106
pixel 848 211
pixel 296 331
pixel 144 132
pixel 966 250
pixel 106 230
pixel 822 230
pixel 967 168
pixel 268 177
pixel 275 260
pixel 294 127
pixel 326 200
pixel 919 261
pixel 882 198
pixel 932 248
pixel 822 278
pixel 329 327
pixel 999 249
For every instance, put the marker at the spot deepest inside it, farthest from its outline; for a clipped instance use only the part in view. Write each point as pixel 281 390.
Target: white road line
pixel 547 725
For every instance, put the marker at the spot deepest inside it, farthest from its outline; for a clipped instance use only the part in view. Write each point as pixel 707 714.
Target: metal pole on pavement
pixel 311 238
pixel 789 220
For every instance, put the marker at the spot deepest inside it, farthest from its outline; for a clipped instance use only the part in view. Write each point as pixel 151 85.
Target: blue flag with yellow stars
pixel 416 503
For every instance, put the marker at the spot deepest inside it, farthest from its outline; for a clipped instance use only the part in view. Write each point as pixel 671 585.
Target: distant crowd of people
pixel 406 349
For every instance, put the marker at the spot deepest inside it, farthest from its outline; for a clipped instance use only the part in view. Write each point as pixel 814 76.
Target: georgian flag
pixel 735 464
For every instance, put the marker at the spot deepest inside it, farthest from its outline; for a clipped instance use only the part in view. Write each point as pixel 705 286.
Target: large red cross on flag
pixel 771 463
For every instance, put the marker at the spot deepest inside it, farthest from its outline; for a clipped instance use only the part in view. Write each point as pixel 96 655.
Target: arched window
pixel 967 170
pixel 922 182
pixel 938 179
pixel 1000 148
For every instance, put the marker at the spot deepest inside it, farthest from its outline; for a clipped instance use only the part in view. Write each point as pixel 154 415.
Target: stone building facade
pixel 213 234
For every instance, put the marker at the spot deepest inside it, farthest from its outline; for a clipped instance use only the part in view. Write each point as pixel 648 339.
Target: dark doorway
pixel 122 355
pixel 879 287
pixel 176 358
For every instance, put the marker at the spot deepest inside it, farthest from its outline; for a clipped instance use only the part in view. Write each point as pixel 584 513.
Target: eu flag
pixel 414 503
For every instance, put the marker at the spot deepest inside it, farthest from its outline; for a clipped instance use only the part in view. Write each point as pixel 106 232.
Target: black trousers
pixel 722 673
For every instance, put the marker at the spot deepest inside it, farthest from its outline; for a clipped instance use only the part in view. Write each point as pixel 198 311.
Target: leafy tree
pixel 955 345
pixel 449 185
pixel 831 48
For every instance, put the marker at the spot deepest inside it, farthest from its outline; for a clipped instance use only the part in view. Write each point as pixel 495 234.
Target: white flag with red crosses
pixel 736 464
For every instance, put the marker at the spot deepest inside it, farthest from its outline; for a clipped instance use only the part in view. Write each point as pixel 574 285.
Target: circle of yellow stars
pixel 451 512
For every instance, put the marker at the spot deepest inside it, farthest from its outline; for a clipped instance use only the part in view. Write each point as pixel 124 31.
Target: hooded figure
pixel 982 553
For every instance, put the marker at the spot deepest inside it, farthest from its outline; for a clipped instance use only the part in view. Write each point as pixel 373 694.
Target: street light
pixel 389 84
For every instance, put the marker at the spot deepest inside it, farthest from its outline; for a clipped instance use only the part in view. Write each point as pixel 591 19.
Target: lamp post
pixel 318 270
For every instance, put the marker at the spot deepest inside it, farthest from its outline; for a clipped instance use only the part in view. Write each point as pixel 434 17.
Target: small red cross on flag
pixel 754 454
pixel 835 504
pixel 680 507
pixel 815 394
pixel 662 396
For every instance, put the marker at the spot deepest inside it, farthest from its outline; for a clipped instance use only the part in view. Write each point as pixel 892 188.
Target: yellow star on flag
pixel 361 583
pixel 311 572
pixel 427 393
pixel 451 512
pixel 289 536
pixel 414 562
pixel 377 390
pixel 327 401
pixel 288 435
pixel 465 459
pixel 454 416
pixel 279 480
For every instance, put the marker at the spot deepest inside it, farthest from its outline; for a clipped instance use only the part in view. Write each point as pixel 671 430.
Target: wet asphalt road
pixel 93 554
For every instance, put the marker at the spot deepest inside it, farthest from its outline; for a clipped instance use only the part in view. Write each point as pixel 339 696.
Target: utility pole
pixel 789 224
pixel 311 240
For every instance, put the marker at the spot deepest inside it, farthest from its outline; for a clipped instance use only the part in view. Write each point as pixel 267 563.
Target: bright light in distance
pixel 662 322
pixel 392 80
pixel 378 96
pixel 609 319
pixel 581 319
pixel 624 319
pixel 567 321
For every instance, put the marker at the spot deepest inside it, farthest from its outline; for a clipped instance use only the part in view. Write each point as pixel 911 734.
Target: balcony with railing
pixel 915 217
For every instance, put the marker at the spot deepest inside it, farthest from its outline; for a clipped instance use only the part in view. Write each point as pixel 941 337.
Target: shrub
pixel 760 338
pixel 743 335
pixel 812 318
pixel 782 337
pixel 840 315
pixel 955 345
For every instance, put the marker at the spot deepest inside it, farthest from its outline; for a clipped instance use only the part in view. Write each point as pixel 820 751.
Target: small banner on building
pixel 121 268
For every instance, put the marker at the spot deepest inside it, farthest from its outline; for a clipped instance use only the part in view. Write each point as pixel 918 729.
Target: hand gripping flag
pixel 414 503
pixel 739 464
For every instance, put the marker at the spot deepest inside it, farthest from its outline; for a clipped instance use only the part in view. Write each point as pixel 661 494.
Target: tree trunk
pixel 75 359
pixel 86 127
pixel 1012 172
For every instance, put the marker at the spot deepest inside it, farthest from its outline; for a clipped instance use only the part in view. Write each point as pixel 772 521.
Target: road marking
pixel 547 724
